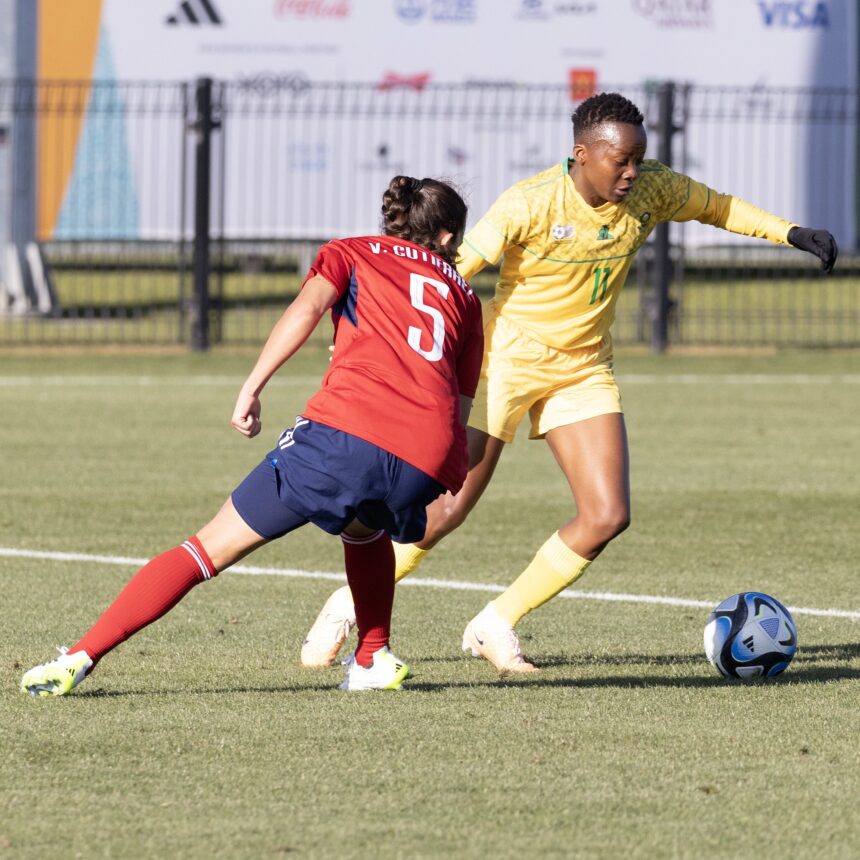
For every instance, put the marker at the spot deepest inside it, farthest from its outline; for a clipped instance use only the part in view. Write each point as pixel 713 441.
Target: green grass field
pixel 203 737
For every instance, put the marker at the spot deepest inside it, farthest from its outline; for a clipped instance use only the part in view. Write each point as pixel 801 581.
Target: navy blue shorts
pixel 327 477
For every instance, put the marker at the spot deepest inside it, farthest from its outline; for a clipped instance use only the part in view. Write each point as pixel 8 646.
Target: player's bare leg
pixel 594 457
pixel 227 538
pixel 337 617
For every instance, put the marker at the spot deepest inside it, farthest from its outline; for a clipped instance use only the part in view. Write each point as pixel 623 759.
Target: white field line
pixel 303 379
pixel 605 596
pixel 740 378
pixel 145 381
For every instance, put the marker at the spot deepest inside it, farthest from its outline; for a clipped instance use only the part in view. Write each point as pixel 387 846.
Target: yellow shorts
pixel 555 386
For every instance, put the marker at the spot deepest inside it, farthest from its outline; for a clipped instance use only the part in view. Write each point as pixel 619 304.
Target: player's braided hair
pixel 604 107
pixel 417 209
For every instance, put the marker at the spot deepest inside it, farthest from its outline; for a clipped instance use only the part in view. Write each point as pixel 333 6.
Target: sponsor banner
pixel 703 42
pixel 275 53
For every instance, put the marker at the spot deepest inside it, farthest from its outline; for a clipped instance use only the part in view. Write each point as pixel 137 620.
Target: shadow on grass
pixel 192 691
pixel 577 660
pixel 808 676
pixel 815 664
pixel 806 653
pixel 842 651
pixel 796 675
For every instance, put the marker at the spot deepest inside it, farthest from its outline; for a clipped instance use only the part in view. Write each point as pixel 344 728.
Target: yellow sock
pixel 554 567
pixel 407 557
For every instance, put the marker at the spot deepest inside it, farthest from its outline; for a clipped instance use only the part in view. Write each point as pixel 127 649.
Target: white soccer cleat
pixel 385 673
pixel 57 677
pixel 330 630
pixel 488 635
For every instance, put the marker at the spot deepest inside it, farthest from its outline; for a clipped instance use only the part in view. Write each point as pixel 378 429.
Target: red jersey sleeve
pixel 335 263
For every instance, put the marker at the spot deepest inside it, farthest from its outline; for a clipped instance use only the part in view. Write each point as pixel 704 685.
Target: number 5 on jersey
pixel 416 292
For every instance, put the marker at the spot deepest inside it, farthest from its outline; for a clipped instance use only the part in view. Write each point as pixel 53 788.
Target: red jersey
pixel 408 342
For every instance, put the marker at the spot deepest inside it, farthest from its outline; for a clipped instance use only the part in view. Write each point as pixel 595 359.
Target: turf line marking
pixel 604 596
pixel 303 379
pixel 741 378
pixel 147 381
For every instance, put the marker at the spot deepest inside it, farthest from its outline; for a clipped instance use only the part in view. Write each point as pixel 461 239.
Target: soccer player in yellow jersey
pixel 566 239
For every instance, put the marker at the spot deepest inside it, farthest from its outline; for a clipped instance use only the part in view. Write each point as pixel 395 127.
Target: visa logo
pixel 795 15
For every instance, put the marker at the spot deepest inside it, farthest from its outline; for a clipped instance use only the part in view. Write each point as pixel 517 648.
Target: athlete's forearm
pixel 291 331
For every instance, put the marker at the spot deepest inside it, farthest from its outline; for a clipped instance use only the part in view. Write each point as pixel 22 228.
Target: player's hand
pixel 246 415
pixel 818 242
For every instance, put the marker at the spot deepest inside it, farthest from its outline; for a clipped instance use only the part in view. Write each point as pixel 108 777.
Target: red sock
pixel 370 574
pixel 156 588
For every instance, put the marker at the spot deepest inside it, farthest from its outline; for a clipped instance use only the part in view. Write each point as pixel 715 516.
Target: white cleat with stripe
pixel 57 677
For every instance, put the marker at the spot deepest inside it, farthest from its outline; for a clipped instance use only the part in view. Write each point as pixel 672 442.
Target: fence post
pixel 662 260
pixel 202 126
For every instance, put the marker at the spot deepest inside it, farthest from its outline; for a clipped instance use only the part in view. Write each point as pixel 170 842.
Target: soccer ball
pixel 750 635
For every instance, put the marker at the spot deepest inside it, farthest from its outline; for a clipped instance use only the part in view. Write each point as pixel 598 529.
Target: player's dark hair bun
pixel 417 210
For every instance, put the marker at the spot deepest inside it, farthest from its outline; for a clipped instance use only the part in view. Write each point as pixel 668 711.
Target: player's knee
pixel 609 522
pixel 617 521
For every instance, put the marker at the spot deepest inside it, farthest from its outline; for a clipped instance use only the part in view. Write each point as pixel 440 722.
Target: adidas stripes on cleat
pixel 57 677
pixel 385 673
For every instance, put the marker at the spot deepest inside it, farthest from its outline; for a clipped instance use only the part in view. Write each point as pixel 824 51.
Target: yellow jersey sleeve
pixel 703 204
pixel 505 223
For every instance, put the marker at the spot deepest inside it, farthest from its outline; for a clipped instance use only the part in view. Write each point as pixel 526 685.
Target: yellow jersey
pixel 564 262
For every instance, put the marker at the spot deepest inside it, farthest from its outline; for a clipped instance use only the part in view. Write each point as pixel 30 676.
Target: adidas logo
pixel 195 12
pixel 749 642
pixel 603 234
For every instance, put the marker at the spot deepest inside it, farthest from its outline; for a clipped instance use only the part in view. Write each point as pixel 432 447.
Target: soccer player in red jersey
pixel 381 439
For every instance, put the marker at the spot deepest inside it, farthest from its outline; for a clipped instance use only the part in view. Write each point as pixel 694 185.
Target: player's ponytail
pixel 418 209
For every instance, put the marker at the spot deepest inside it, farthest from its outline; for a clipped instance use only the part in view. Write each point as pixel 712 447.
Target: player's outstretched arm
pixel 818 242
pixel 731 213
pixel 290 332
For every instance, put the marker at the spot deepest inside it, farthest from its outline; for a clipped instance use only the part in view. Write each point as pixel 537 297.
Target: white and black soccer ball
pixel 750 635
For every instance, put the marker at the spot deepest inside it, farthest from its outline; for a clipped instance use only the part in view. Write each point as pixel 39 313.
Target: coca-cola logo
pixel 312 8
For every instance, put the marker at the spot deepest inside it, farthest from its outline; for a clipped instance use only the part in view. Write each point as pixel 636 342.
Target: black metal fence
pixel 188 213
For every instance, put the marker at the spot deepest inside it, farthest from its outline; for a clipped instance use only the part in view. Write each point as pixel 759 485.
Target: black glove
pixel 818 242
